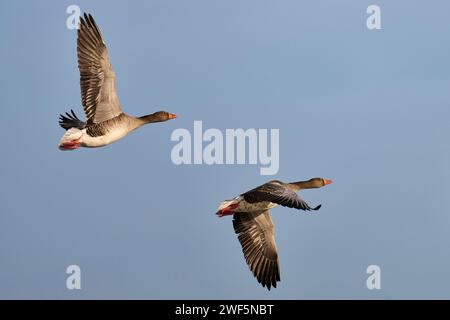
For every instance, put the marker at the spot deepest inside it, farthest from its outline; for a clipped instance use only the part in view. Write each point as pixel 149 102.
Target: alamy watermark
pixel 73 20
pixel 73 281
pixel 373 282
pixel 373 22
pixel 235 146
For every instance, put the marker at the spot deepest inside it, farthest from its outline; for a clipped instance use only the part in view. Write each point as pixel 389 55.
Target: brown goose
pixel 253 224
pixel 105 122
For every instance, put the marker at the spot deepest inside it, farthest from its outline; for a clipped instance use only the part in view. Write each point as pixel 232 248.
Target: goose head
pixel 159 116
pixel 319 182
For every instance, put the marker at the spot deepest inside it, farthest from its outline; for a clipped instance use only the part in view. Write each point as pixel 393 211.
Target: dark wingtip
pixel 317 208
pixel 70 120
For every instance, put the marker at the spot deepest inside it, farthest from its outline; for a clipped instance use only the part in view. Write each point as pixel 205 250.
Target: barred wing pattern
pixel 97 78
pixel 255 232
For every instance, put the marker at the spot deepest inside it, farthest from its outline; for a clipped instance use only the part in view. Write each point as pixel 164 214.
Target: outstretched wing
pixel 256 234
pixel 277 192
pixel 97 78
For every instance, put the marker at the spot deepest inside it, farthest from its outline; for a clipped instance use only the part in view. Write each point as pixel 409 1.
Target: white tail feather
pixel 71 135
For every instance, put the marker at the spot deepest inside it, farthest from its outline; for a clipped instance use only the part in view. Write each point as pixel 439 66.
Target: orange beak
pixel 328 181
pixel 172 116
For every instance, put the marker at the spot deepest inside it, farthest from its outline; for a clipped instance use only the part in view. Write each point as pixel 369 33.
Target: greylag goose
pixel 253 224
pixel 105 121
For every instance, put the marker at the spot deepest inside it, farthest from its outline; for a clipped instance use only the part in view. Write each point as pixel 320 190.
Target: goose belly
pixel 111 136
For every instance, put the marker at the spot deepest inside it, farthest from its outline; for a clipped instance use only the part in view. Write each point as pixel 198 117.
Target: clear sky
pixel 368 109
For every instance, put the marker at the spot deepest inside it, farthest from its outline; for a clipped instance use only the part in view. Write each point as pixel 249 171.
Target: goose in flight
pixel 253 224
pixel 105 121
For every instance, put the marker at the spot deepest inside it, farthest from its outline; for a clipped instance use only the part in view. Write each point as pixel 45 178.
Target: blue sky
pixel 368 109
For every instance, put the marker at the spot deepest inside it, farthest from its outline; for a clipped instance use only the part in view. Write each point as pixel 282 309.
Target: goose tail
pixel 71 139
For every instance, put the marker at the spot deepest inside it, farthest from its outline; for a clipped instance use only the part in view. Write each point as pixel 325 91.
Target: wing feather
pixel 277 192
pixel 255 232
pixel 97 78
